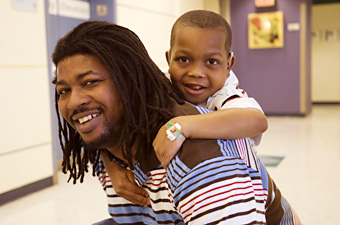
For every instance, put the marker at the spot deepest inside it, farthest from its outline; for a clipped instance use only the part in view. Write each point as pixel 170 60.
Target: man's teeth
pixel 87 118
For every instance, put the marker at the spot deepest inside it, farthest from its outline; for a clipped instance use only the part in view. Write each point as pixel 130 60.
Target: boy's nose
pixel 77 99
pixel 196 71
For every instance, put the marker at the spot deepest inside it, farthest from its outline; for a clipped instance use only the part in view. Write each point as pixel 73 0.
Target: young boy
pixel 200 62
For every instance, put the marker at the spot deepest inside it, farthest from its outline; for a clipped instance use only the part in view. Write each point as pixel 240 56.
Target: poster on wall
pixel 265 30
pixel 264 3
pixel 26 5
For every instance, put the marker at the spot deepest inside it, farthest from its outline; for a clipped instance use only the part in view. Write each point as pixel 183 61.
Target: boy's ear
pixel 231 62
pixel 167 56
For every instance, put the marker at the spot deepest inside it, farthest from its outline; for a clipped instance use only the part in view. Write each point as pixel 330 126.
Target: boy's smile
pixel 193 89
pixel 198 62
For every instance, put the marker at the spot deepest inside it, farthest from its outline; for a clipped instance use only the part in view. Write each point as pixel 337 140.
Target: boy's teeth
pixel 195 87
pixel 87 118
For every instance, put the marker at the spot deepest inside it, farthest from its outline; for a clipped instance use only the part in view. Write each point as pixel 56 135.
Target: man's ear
pixel 167 56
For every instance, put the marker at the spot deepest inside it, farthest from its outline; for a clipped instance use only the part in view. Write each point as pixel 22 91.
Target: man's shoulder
pixel 195 151
pixel 185 109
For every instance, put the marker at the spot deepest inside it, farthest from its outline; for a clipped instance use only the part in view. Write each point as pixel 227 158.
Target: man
pixel 113 100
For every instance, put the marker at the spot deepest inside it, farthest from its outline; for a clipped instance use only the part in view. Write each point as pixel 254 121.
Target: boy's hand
pixel 164 148
pixel 124 184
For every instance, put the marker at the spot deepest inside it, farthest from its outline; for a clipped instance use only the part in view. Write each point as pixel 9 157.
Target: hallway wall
pixel 152 20
pixel 326 53
pixel 26 151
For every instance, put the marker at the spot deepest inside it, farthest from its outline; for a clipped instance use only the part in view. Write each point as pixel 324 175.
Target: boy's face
pixel 198 62
pixel 88 100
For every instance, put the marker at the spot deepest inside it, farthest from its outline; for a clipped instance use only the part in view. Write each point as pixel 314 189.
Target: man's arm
pixel 123 182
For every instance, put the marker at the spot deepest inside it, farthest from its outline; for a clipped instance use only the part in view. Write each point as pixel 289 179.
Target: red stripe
pixel 216 202
pixel 104 178
pixel 232 99
pixel 238 182
pixel 169 194
pixel 151 179
pixel 157 174
pixel 156 185
pixel 242 149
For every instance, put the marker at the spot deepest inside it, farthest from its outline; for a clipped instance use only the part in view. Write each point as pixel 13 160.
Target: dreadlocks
pixel 146 108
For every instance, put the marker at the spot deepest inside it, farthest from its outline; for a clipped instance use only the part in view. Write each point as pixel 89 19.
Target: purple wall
pixel 271 76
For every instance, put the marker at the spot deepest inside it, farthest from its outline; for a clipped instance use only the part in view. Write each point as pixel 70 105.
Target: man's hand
pixel 124 184
pixel 164 148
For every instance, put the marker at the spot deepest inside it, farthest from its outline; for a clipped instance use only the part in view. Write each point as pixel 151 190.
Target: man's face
pixel 198 62
pixel 88 100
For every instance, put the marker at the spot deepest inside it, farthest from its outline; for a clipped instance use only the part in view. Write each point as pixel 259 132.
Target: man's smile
pixel 87 118
pixel 86 121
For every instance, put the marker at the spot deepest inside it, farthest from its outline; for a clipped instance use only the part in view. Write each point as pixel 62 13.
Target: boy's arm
pixel 231 123
pixel 123 182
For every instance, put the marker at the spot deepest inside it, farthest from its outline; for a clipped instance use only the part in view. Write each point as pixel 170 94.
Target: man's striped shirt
pixel 208 182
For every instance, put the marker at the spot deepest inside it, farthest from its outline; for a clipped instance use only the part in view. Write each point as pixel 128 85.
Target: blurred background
pixel 297 84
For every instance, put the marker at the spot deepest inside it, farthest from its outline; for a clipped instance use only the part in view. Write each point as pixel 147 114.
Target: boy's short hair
pixel 206 20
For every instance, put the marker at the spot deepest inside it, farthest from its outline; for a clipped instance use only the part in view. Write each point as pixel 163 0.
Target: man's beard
pixel 103 141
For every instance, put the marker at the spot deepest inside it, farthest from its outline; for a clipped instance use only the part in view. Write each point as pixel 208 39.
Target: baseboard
pixel 326 103
pixel 25 190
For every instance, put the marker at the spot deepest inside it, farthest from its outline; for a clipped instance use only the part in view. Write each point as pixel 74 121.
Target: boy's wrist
pixel 182 121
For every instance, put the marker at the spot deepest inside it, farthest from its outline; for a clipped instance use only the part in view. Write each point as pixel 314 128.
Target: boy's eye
pixel 183 59
pixel 212 61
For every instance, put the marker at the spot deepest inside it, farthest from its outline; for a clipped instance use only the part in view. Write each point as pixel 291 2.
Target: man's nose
pixel 77 99
pixel 197 70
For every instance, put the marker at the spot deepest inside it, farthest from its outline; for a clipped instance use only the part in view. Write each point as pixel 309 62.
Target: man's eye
pixel 62 92
pixel 212 61
pixel 90 82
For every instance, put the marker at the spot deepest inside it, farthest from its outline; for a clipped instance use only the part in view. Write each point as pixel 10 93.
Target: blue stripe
pixel 264 175
pixel 139 175
pixel 175 172
pixel 136 214
pixel 203 110
pixel 228 148
pixel 208 171
pixel 100 167
pixel 287 218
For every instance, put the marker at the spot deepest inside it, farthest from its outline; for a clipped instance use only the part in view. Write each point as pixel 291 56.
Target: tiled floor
pixel 308 154
pixel 62 204
pixel 307 176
